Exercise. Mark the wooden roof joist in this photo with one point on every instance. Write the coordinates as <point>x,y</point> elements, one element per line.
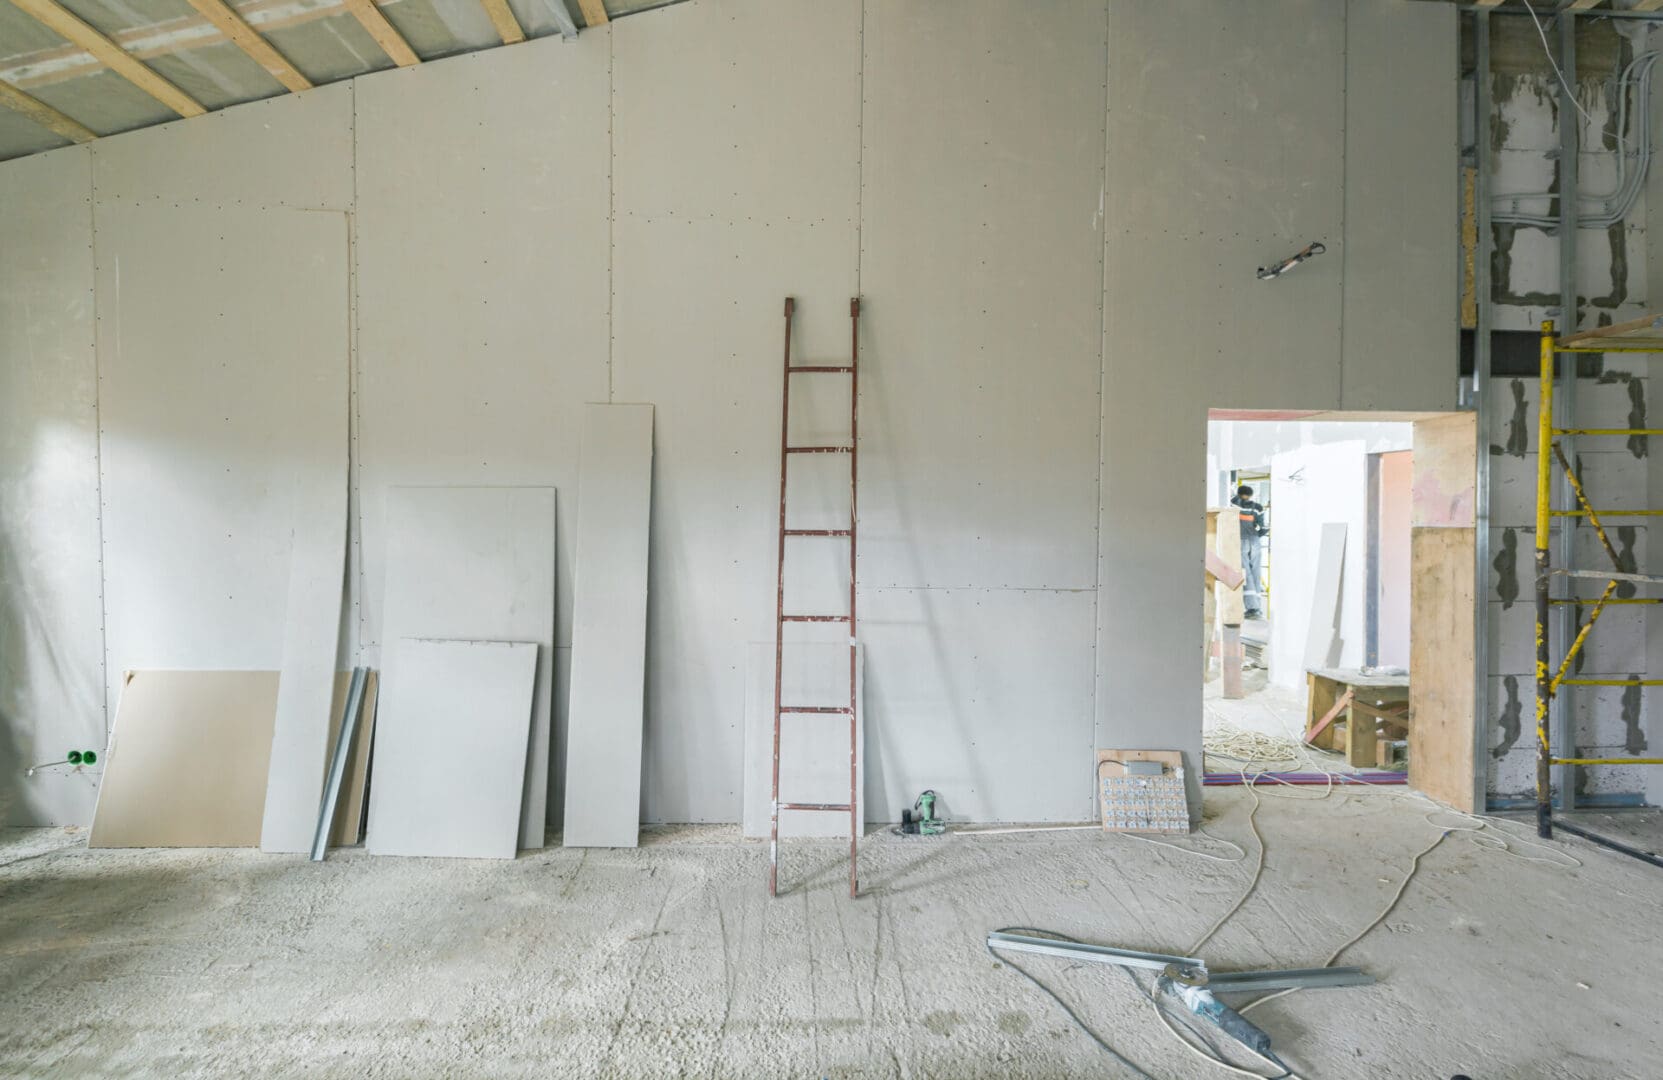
<point>507,27</point>
<point>376,25</point>
<point>43,114</point>
<point>69,27</point>
<point>234,27</point>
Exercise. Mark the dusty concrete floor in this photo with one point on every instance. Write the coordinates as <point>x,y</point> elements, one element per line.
<point>671,961</point>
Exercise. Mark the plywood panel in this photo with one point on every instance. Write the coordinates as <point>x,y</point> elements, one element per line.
<point>482,326</point>
<point>1400,289</point>
<point>814,747</point>
<point>1446,472</point>
<point>450,749</point>
<point>983,695</point>
<point>477,563</point>
<point>222,339</point>
<point>1440,689</point>
<point>609,629</point>
<point>294,150</point>
<point>51,648</point>
<point>1219,163</point>
<point>981,240</point>
<point>186,765</point>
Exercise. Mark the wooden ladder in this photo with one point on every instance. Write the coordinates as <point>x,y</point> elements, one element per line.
<point>782,617</point>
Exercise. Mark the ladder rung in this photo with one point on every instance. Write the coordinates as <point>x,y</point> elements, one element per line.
<point>819,532</point>
<point>819,449</point>
<point>842,808</point>
<point>814,618</point>
<point>820,368</point>
<point>840,710</point>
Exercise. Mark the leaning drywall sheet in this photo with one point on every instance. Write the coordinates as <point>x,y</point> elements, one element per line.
<point>51,610</point>
<point>1310,487</point>
<point>477,563</point>
<point>186,765</point>
<point>705,255</point>
<point>979,395</point>
<point>311,634</point>
<point>609,628</point>
<point>223,351</point>
<point>1323,635</point>
<point>983,695</point>
<point>1400,281</point>
<point>814,747</point>
<point>450,749</point>
<point>483,329</point>
<point>1254,173</point>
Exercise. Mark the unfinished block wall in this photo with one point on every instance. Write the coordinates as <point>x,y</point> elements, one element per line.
<point>1052,215</point>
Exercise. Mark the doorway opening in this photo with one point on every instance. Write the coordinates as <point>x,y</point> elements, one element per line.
<point>1338,614</point>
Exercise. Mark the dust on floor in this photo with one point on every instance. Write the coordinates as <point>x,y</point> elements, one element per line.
<point>670,960</point>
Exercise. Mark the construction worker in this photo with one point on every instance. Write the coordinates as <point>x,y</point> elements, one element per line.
<point>1253,531</point>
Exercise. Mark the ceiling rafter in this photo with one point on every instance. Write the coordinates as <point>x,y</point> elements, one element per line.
<point>376,25</point>
<point>258,49</point>
<point>594,12</point>
<point>508,27</point>
<point>44,115</point>
<point>69,27</point>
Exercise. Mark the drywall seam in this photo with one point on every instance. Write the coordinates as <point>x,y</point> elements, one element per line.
<point>98,444</point>
<point>355,420</point>
<point>611,213</point>
<point>1102,413</point>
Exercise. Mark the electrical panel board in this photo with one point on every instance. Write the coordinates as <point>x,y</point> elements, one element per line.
<point>1142,791</point>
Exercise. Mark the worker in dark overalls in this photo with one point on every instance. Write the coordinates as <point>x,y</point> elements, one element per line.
<point>1253,532</point>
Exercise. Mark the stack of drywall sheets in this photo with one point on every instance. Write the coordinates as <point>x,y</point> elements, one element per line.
<point>468,632</point>
<point>188,761</point>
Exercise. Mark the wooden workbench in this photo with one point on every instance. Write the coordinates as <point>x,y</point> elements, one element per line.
<point>1345,706</point>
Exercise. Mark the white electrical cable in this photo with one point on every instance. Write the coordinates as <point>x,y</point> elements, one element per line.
<point>1548,49</point>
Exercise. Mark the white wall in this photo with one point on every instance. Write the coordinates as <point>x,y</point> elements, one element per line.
<point>1052,215</point>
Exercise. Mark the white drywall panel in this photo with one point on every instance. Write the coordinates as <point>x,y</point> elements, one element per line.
<point>814,747</point>
<point>482,277</point>
<point>450,748</point>
<point>223,347</point>
<point>609,628</point>
<point>1311,488</point>
<point>984,695</point>
<point>292,150</point>
<point>1226,152</point>
<point>1400,254</point>
<point>477,563</point>
<point>311,638</point>
<point>981,261</point>
<point>756,105</point>
<point>706,251</point>
<point>51,603</point>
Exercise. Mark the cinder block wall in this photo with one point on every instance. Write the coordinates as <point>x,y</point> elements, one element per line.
<point>1052,214</point>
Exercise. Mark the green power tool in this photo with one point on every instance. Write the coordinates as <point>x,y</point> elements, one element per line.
<point>921,819</point>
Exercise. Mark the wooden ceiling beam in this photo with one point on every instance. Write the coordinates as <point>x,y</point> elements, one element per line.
<point>69,27</point>
<point>43,114</point>
<point>376,25</point>
<point>508,27</point>
<point>234,27</point>
<point>594,12</point>
<point>1648,5</point>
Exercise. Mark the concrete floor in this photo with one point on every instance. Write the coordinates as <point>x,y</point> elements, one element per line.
<point>670,960</point>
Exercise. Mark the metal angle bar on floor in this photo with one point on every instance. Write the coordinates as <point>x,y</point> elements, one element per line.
<point>337,763</point>
<point>1607,842</point>
<point>1099,954</point>
<point>1237,982</point>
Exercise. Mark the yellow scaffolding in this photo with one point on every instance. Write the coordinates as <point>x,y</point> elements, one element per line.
<point>1639,336</point>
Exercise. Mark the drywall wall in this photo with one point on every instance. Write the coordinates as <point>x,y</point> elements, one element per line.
<point>1203,207</point>
<point>51,584</point>
<point>1053,237</point>
<point>223,349</point>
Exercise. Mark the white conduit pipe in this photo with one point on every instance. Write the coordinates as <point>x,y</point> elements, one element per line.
<point>1615,206</point>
